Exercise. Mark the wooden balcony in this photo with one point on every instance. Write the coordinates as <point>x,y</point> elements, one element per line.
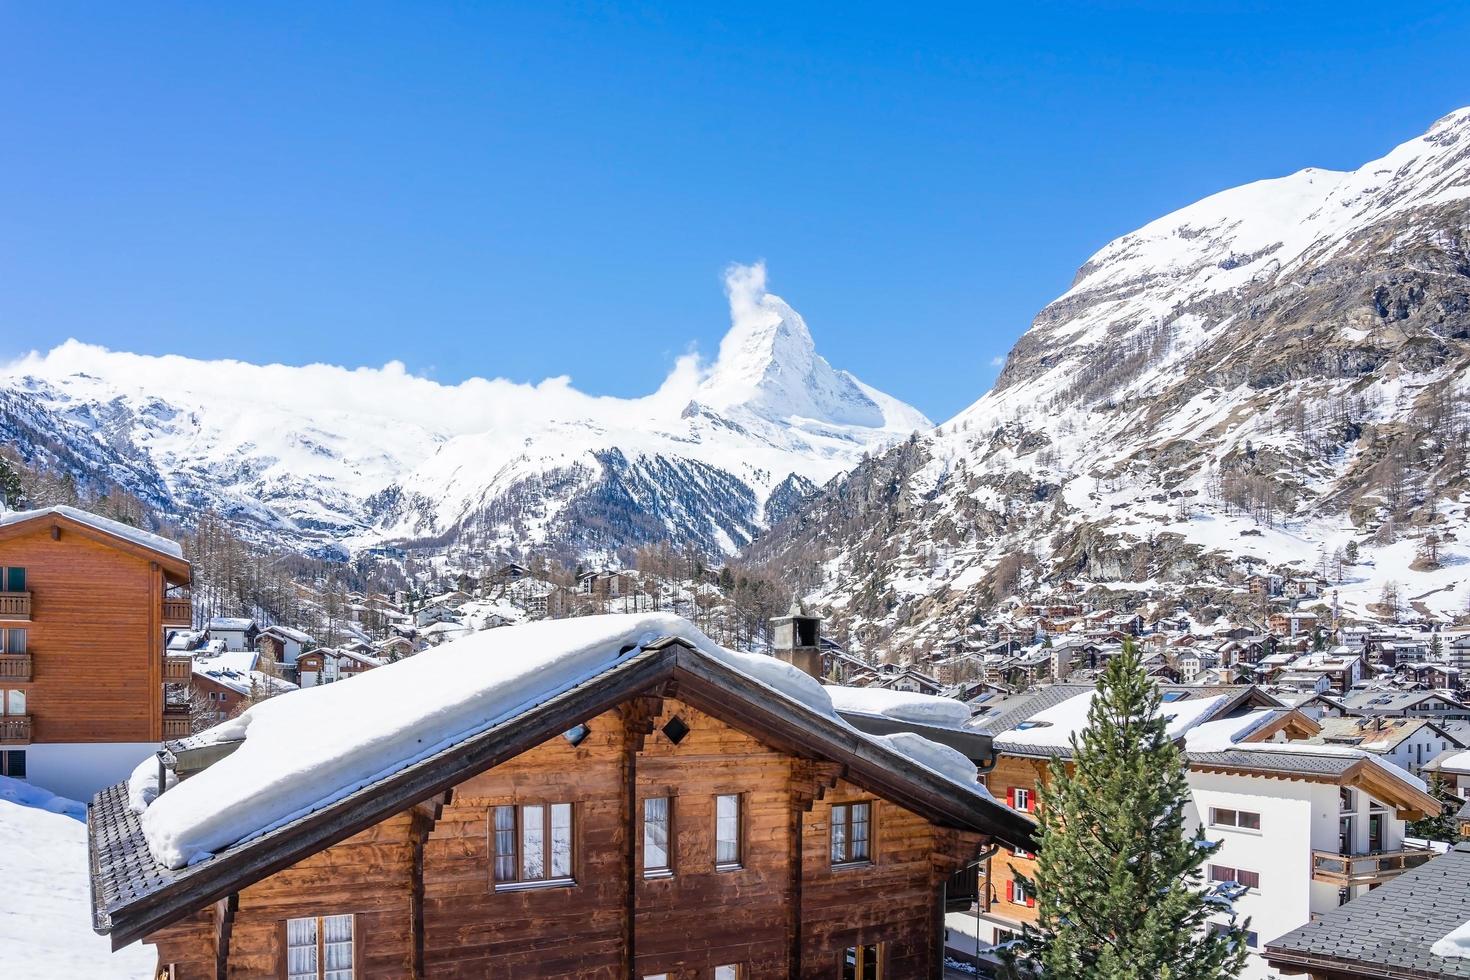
<point>178,610</point>
<point>15,729</point>
<point>176,721</point>
<point>1332,868</point>
<point>15,605</point>
<point>177,670</point>
<point>15,667</point>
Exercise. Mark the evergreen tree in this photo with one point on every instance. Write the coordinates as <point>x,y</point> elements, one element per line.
<point>1119,885</point>
<point>1441,826</point>
<point>11,491</point>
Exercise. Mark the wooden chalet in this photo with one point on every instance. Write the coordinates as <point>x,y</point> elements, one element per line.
<point>85,604</point>
<point>670,816</point>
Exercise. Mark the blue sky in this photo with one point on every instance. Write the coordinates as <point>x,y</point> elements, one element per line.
<point>544,189</point>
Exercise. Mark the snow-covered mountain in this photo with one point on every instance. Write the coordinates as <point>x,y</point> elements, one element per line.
<point>1255,380</point>
<point>320,455</point>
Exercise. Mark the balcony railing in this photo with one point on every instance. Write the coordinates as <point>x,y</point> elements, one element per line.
<point>15,728</point>
<point>176,720</point>
<point>1365,869</point>
<point>178,610</point>
<point>15,605</point>
<point>177,670</point>
<point>15,667</point>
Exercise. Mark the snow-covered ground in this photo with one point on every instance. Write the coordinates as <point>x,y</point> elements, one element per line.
<point>45,901</point>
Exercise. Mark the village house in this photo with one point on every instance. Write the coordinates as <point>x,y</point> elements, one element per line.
<point>327,664</point>
<point>86,604</point>
<point>1408,743</point>
<point>282,645</point>
<point>223,688</point>
<point>1304,827</point>
<point>236,632</point>
<point>617,805</point>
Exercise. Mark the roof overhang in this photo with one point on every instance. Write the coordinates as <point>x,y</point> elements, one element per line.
<point>176,569</point>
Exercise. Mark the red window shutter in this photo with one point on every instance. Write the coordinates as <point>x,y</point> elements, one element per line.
<point>1030,902</point>
<point>1010,891</point>
<point>1031,801</point>
<point>1011,797</point>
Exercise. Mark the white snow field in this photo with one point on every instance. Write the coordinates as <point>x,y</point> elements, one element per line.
<point>45,904</point>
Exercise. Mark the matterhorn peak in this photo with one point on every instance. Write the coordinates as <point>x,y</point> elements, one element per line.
<point>769,365</point>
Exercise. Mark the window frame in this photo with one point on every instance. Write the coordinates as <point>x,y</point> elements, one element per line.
<point>321,932</point>
<point>548,880</point>
<point>860,971</point>
<point>739,841</point>
<point>1216,813</point>
<point>6,573</point>
<point>665,870</point>
<point>1217,874</point>
<point>7,634</point>
<point>737,971</point>
<point>8,756</point>
<point>846,822</point>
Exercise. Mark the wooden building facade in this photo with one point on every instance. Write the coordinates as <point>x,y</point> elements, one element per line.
<point>672,819</point>
<point>84,608</point>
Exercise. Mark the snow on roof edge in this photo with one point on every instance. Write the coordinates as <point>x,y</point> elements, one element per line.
<point>147,539</point>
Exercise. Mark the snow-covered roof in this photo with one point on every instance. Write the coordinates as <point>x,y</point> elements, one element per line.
<point>236,660</point>
<point>245,682</point>
<point>145,539</point>
<point>231,624</point>
<point>388,719</point>
<point>1052,729</point>
<point>289,633</point>
<point>923,709</point>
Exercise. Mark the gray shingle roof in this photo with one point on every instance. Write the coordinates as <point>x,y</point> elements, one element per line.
<point>1295,763</point>
<point>1391,928</point>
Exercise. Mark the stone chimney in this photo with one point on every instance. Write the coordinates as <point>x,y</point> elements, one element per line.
<point>797,639</point>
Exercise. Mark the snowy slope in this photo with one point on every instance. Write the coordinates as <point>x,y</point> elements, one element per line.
<point>1257,380</point>
<point>45,906</point>
<point>322,454</point>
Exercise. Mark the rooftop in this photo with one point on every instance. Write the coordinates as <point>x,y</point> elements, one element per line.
<point>1390,930</point>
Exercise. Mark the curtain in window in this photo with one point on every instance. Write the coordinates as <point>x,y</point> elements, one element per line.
<point>561,840</point>
<point>337,947</point>
<point>727,829</point>
<point>505,843</point>
<point>859,831</point>
<point>656,832</point>
<point>15,702</point>
<point>301,949</point>
<point>533,843</point>
<point>839,834</point>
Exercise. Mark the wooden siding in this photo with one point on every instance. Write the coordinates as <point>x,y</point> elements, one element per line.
<point>423,890</point>
<point>95,638</point>
<point>1011,772</point>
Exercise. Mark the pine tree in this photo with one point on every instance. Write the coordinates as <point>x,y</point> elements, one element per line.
<point>1441,826</point>
<point>1119,885</point>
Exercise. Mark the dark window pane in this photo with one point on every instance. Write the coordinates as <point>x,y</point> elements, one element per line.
<point>1250,821</point>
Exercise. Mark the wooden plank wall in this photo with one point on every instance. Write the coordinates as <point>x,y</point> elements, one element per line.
<point>96,655</point>
<point>1011,771</point>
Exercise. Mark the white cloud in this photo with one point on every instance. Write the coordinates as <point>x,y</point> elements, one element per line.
<point>998,360</point>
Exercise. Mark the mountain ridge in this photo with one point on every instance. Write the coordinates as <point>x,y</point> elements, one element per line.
<point>1258,379</point>
<point>318,455</point>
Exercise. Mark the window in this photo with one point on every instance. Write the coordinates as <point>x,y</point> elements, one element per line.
<point>851,832</point>
<point>13,763</point>
<point>12,641</point>
<point>1251,938</point>
<point>319,948</point>
<point>1246,879</point>
<point>657,819</point>
<point>729,972</point>
<point>863,962</point>
<point>14,703</point>
<point>533,844</point>
<point>1347,802</point>
<point>1016,894</point>
<point>727,831</point>
<point>1244,819</point>
<point>14,580</point>
<point>1019,798</point>
<point>1026,855</point>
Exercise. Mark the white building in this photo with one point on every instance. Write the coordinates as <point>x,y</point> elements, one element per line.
<point>238,633</point>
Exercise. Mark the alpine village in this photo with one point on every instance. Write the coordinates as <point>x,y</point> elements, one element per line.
<point>1152,663</point>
